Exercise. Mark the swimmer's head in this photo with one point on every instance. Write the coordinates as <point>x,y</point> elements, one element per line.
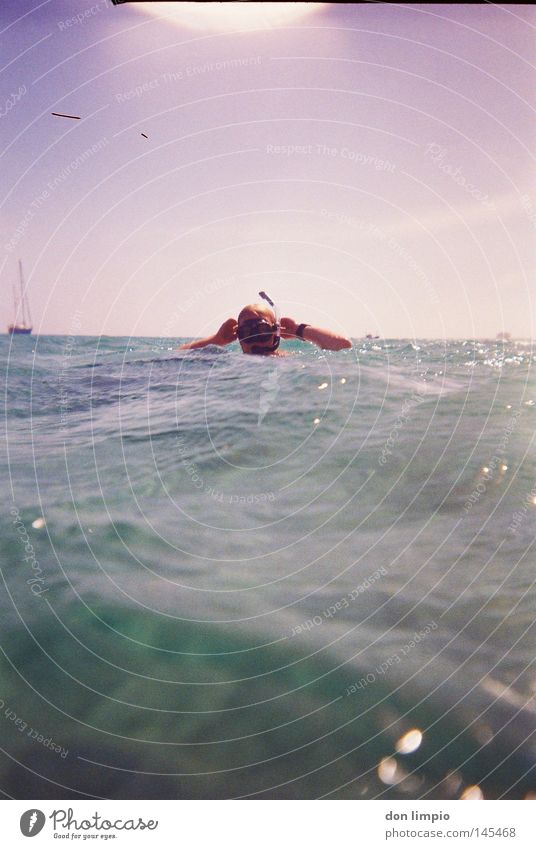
<point>258,329</point>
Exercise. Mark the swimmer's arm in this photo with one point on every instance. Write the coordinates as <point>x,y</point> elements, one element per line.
<point>199,343</point>
<point>325,339</point>
<point>224,336</point>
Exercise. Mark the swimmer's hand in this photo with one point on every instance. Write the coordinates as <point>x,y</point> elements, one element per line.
<point>227,332</point>
<point>288,328</point>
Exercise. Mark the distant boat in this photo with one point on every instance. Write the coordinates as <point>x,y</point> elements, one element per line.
<point>370,336</point>
<point>22,307</point>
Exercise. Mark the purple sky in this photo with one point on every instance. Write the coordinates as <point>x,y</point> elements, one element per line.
<point>371,166</point>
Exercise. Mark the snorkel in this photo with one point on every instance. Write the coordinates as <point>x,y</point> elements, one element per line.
<point>257,349</point>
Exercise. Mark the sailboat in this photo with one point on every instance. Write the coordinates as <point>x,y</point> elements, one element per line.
<point>22,307</point>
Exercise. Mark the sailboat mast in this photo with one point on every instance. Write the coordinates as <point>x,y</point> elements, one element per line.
<point>15,302</point>
<point>22,293</point>
<point>27,307</point>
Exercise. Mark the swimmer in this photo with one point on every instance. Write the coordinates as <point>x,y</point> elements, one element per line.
<point>259,331</point>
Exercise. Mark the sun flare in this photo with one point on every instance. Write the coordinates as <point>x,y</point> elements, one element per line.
<point>230,16</point>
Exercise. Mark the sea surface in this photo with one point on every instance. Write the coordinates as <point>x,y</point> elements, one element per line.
<point>299,577</point>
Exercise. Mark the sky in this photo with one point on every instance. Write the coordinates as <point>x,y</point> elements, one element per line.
<point>371,166</point>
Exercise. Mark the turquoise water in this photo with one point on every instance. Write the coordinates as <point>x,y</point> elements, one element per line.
<point>229,576</point>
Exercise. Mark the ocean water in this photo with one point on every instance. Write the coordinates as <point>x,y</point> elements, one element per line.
<point>238,577</point>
